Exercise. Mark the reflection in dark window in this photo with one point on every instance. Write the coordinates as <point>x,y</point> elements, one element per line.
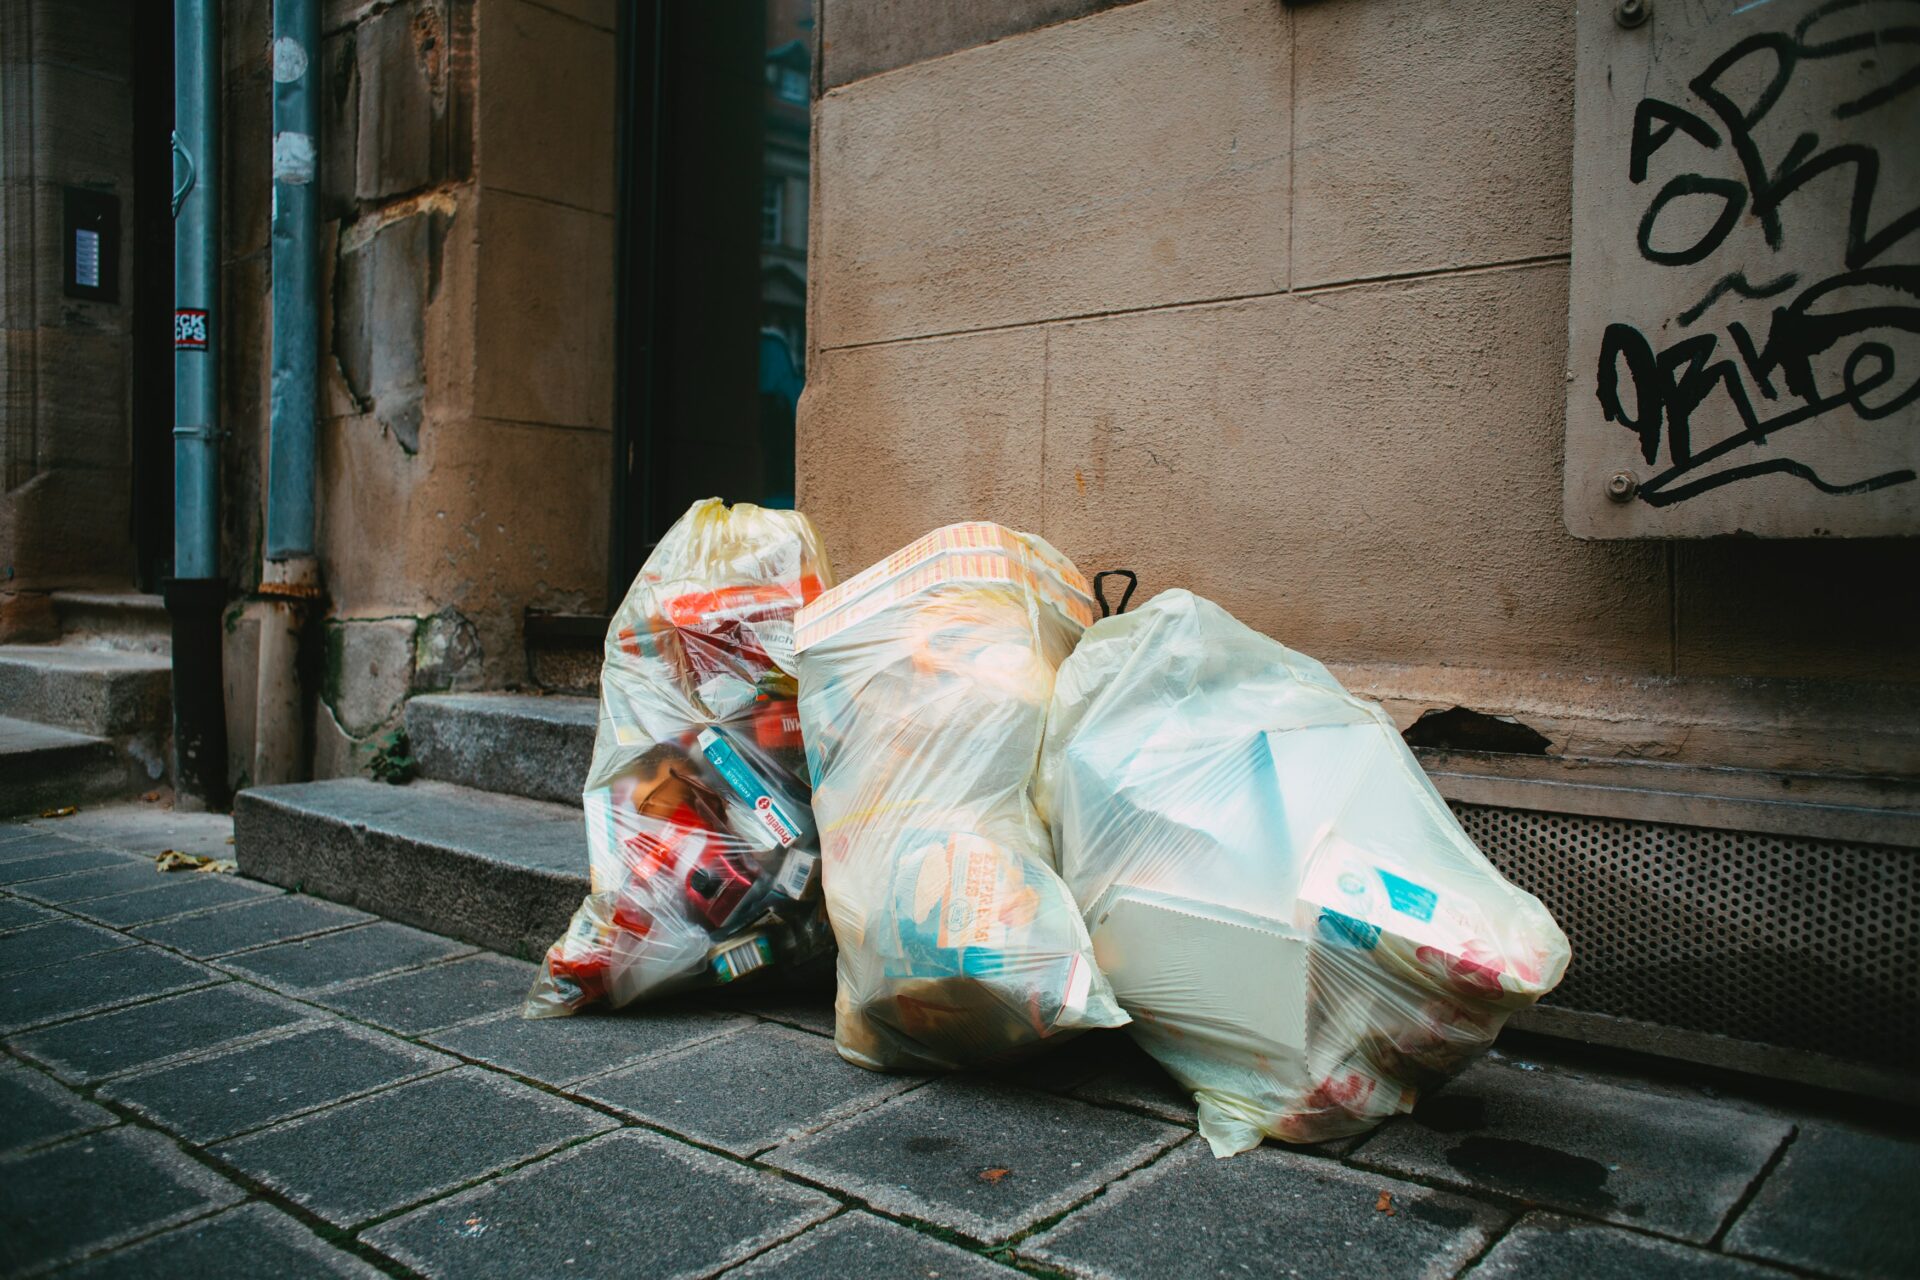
<point>783,239</point>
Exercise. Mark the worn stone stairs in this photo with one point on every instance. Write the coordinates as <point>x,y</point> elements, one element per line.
<point>486,845</point>
<point>86,718</point>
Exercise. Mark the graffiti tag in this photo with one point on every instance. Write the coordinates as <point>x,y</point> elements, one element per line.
<point>1840,342</point>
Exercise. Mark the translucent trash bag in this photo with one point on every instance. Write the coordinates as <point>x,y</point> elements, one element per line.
<point>1303,934</point>
<point>703,858</point>
<point>924,685</point>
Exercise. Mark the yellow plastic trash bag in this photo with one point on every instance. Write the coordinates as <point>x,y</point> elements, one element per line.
<point>924,685</point>
<point>1302,932</point>
<point>700,839</point>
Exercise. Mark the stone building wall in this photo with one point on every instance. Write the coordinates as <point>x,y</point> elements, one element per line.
<point>466,177</point>
<point>1270,301</point>
<point>66,120</point>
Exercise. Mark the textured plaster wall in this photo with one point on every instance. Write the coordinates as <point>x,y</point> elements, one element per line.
<point>467,181</point>
<point>1270,301</point>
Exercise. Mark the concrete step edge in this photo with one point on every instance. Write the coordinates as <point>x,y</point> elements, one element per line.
<point>44,767</point>
<point>105,692</point>
<point>432,855</point>
<point>509,744</point>
<point>126,620</point>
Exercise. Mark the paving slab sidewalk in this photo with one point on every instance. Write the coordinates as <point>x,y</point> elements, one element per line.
<point>194,1087</point>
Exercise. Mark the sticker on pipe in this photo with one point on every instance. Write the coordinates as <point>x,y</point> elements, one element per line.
<point>190,329</point>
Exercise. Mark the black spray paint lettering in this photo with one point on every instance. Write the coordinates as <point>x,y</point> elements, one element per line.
<point>1655,393</point>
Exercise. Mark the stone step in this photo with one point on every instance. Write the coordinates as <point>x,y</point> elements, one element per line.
<point>508,743</point>
<point>42,767</point>
<point>502,872</point>
<point>115,619</point>
<point>105,692</point>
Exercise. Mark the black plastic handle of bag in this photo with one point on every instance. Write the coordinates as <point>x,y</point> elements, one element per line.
<point>1100,591</point>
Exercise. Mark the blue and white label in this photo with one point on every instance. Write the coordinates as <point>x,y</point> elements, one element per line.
<point>747,785</point>
<point>1408,898</point>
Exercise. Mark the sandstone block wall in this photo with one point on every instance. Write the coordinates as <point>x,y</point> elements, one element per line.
<point>1269,301</point>
<point>465,453</point>
<point>66,119</point>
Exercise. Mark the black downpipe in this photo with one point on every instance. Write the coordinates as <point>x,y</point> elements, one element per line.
<point>196,606</point>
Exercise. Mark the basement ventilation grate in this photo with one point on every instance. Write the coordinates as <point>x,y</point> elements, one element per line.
<point>1807,944</point>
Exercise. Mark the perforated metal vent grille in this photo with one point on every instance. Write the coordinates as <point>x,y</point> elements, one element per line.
<point>1809,944</point>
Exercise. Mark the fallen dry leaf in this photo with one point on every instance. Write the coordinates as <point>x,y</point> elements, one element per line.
<point>174,860</point>
<point>64,811</point>
<point>1384,1204</point>
<point>993,1175</point>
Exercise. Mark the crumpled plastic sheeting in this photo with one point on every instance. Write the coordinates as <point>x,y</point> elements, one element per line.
<point>924,686</point>
<point>702,850</point>
<point>1302,932</point>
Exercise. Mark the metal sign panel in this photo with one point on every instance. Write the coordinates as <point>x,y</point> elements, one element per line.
<point>1744,320</point>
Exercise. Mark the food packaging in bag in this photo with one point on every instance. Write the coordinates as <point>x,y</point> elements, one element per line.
<point>1302,932</point>
<point>924,686</point>
<point>700,837</point>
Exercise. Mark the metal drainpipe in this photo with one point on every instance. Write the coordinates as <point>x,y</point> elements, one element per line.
<point>290,577</point>
<point>196,594</point>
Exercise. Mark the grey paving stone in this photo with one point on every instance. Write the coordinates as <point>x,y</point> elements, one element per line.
<point>15,914</point>
<point>1545,1246</point>
<point>21,872</point>
<point>136,826</point>
<point>279,917</point>
<point>55,942</point>
<point>109,1044</point>
<point>748,1091</point>
<point>183,892</point>
<point>411,1143</point>
<point>123,875</point>
<point>92,983</point>
<point>859,1246</point>
<point>217,1095</point>
<point>629,1203</point>
<point>1265,1212</point>
<point>253,1240</point>
<point>94,1192</point>
<point>1132,1079</point>
<point>563,1051</point>
<point>35,1110</point>
<point>1674,1165</point>
<point>1839,1201</point>
<point>810,1009</point>
<point>978,1158</point>
<point>333,959</point>
<point>19,842</point>
<point>1061,1066</point>
<point>427,999</point>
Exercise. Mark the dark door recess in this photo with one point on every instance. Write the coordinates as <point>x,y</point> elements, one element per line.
<point>711,265</point>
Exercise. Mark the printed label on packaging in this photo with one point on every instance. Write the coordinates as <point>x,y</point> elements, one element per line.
<point>776,640</point>
<point>796,873</point>
<point>742,956</point>
<point>1345,931</point>
<point>1408,898</point>
<point>976,885</point>
<point>747,785</point>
